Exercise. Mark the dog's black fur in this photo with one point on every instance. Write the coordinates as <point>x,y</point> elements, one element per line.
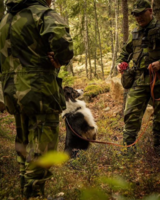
<point>80,119</point>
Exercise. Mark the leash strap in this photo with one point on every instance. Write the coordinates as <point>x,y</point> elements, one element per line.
<point>109,143</point>
<point>153,77</point>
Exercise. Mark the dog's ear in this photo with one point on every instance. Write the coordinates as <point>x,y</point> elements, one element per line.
<point>71,94</point>
<point>68,93</point>
<point>74,94</point>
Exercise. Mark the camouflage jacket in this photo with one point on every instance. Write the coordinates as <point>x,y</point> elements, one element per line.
<point>28,32</point>
<point>143,48</point>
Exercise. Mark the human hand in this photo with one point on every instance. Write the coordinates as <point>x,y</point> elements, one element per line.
<point>121,67</point>
<point>54,62</point>
<point>156,66</point>
<point>118,68</point>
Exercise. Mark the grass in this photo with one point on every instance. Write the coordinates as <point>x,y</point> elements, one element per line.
<point>99,173</point>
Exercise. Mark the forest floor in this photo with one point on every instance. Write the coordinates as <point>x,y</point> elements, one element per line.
<point>100,173</point>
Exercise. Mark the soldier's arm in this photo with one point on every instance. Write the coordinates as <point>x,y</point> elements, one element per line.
<point>54,29</point>
<point>127,50</point>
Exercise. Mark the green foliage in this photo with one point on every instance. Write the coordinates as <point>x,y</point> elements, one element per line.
<point>92,194</point>
<point>94,90</point>
<point>68,80</point>
<point>101,172</point>
<point>116,183</point>
<point>51,158</point>
<point>153,197</point>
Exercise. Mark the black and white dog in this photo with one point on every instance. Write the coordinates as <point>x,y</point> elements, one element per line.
<point>80,119</point>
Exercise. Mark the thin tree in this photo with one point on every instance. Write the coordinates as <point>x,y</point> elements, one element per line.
<point>125,20</point>
<point>110,24</point>
<point>113,71</point>
<point>86,37</point>
<point>95,32</point>
<point>99,39</point>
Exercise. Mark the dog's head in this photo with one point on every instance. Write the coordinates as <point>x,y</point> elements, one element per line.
<point>71,94</point>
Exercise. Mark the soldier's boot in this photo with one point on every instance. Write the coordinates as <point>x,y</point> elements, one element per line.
<point>22,183</point>
<point>34,188</point>
<point>38,189</point>
<point>27,191</point>
<point>22,178</point>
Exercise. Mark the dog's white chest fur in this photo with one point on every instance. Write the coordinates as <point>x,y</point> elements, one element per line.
<point>80,106</point>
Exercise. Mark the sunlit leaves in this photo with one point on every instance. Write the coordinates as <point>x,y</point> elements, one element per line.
<point>51,158</point>
<point>116,183</point>
<point>93,194</point>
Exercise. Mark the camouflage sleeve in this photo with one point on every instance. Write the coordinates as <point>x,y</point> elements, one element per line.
<point>54,29</point>
<point>127,50</point>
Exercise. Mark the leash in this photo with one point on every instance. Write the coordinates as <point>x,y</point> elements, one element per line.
<point>103,142</point>
<point>153,77</point>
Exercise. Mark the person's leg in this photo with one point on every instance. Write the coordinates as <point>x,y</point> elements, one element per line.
<point>136,103</point>
<point>20,144</point>
<point>42,137</point>
<point>156,120</point>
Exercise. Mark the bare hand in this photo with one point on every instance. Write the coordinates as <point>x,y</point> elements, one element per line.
<point>156,66</point>
<point>119,69</point>
<point>54,62</point>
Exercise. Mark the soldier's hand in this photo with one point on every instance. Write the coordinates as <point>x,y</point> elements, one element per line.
<point>156,66</point>
<point>54,62</point>
<point>118,68</point>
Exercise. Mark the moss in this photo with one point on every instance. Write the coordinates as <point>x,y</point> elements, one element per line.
<point>94,90</point>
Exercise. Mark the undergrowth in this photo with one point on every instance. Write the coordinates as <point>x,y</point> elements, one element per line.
<point>100,173</point>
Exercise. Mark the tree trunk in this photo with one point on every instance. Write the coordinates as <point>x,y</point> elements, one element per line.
<point>99,40</point>
<point>110,23</point>
<point>66,19</point>
<point>70,68</point>
<point>95,49</point>
<point>86,37</point>
<point>125,20</point>
<point>156,9</point>
<point>113,71</point>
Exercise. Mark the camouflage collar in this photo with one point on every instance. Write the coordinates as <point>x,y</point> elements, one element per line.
<point>152,24</point>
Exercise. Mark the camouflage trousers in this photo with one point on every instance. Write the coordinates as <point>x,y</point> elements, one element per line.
<point>136,103</point>
<point>35,136</point>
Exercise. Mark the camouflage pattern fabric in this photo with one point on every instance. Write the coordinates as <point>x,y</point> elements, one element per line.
<point>29,80</point>
<point>139,94</point>
<point>136,103</point>
<point>140,5</point>
<point>32,91</point>
<point>36,135</point>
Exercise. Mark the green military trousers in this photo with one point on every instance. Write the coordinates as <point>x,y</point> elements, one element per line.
<point>35,136</point>
<point>137,99</point>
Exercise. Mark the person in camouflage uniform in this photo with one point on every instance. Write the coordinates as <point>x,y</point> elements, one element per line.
<point>143,47</point>
<point>32,91</point>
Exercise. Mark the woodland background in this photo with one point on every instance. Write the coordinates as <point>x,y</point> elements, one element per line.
<point>99,29</point>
